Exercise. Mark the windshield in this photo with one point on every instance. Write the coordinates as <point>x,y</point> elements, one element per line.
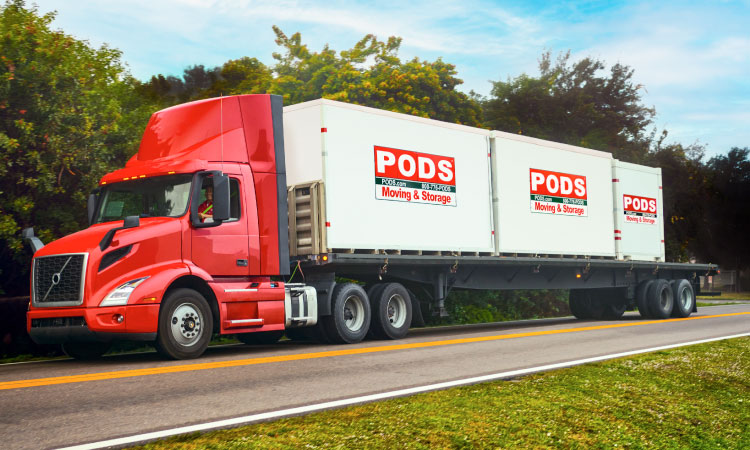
<point>165,196</point>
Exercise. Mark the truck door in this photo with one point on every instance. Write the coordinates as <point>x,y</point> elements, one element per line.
<point>224,250</point>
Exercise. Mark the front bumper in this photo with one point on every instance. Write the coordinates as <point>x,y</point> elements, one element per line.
<point>60,325</point>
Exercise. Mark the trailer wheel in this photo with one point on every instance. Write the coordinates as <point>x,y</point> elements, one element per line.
<point>615,303</point>
<point>86,351</point>
<point>261,337</point>
<point>391,312</point>
<point>350,315</point>
<point>584,304</point>
<point>185,325</point>
<point>660,299</point>
<point>684,298</point>
<point>641,298</point>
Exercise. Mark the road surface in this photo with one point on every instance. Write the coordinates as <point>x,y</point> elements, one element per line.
<point>67,402</point>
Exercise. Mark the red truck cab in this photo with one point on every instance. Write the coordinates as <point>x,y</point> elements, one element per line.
<point>150,267</point>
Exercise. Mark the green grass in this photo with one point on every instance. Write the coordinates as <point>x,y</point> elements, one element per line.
<point>728,296</point>
<point>692,397</point>
<point>702,304</point>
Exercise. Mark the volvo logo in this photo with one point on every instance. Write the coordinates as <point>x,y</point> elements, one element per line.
<point>56,278</point>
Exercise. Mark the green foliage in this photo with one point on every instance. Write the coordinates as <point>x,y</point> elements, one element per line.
<point>573,103</point>
<point>372,74</point>
<point>65,120</point>
<point>473,306</point>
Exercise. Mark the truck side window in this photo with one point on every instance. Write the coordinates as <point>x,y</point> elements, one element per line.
<point>234,199</point>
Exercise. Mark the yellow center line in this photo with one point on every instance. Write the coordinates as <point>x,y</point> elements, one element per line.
<point>18,384</point>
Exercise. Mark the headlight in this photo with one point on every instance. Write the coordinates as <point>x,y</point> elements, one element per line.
<point>121,294</point>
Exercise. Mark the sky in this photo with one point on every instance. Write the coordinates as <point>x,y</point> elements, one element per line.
<point>692,58</point>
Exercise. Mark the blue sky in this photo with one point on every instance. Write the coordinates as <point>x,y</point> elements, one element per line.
<point>692,58</point>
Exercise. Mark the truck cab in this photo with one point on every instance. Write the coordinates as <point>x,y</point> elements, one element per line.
<point>155,266</point>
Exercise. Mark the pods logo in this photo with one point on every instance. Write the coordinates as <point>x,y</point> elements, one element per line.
<point>407,176</point>
<point>558,193</point>
<point>639,209</point>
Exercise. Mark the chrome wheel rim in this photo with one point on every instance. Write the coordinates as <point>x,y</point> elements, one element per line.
<point>396,311</point>
<point>186,324</point>
<point>686,299</point>
<point>354,313</point>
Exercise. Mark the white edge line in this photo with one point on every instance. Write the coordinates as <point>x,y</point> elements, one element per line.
<point>245,420</point>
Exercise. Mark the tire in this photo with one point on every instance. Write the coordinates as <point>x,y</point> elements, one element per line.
<point>185,325</point>
<point>641,298</point>
<point>373,292</point>
<point>684,298</point>
<point>86,351</point>
<point>391,312</point>
<point>584,304</point>
<point>615,303</point>
<point>576,303</point>
<point>350,315</point>
<point>660,299</point>
<point>261,337</point>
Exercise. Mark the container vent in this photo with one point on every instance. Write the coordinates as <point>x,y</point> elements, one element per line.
<point>307,231</point>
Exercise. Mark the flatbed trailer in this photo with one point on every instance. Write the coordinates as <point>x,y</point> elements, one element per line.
<point>610,281</point>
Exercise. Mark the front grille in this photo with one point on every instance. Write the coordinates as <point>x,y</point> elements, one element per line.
<point>58,279</point>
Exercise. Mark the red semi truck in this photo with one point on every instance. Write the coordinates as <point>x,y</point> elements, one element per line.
<point>161,262</point>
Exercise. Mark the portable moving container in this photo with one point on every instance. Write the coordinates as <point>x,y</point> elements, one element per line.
<point>639,219</point>
<point>367,179</point>
<point>550,198</point>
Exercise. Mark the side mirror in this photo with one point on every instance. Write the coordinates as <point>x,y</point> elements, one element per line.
<point>220,204</point>
<point>35,242</point>
<point>91,204</point>
<point>221,198</point>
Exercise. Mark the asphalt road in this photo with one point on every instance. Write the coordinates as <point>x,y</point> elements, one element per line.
<point>66,402</point>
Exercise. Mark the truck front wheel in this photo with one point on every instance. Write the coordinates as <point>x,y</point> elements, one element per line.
<point>185,325</point>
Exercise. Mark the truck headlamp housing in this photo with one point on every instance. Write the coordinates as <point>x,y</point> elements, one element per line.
<point>120,295</point>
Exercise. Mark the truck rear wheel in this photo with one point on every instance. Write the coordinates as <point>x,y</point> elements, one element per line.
<point>261,337</point>
<point>185,325</point>
<point>660,299</point>
<point>684,298</point>
<point>86,351</point>
<point>391,312</point>
<point>350,315</point>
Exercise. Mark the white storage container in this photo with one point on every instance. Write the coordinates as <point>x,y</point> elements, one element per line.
<point>639,218</point>
<point>389,181</point>
<point>550,198</point>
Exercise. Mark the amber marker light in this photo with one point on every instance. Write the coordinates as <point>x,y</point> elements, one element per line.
<point>325,257</point>
<point>170,173</point>
<point>142,176</point>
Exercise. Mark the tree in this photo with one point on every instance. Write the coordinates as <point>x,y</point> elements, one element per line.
<point>574,104</point>
<point>729,208</point>
<point>63,107</point>
<point>371,74</point>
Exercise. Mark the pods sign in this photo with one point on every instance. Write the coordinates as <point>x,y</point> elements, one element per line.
<point>413,177</point>
<point>558,193</point>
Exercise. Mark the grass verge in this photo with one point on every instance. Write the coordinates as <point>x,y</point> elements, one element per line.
<point>728,296</point>
<point>692,397</point>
